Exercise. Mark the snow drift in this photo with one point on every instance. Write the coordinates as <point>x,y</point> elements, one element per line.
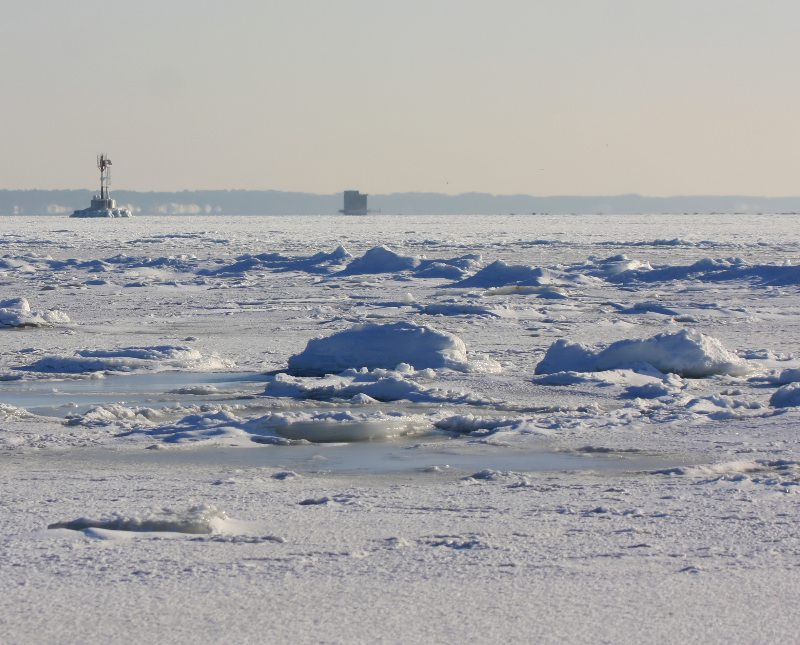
<point>687,353</point>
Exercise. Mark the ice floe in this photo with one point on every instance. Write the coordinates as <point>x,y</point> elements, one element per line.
<point>130,359</point>
<point>363,386</point>
<point>114,413</point>
<point>385,346</point>
<point>325,426</point>
<point>336,426</point>
<point>687,353</point>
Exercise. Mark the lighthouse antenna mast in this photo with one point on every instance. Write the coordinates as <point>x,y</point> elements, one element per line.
<point>103,163</point>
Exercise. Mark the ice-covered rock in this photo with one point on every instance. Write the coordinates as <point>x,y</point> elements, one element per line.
<point>687,353</point>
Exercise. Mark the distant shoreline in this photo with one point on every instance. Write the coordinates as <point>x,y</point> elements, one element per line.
<point>273,202</point>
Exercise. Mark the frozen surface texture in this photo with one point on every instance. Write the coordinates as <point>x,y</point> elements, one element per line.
<point>400,429</point>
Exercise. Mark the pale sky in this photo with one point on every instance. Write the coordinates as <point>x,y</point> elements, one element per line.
<point>542,97</point>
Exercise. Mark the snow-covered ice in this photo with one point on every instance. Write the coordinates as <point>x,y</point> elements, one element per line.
<point>16,312</point>
<point>400,429</point>
<point>381,345</point>
<point>687,353</point>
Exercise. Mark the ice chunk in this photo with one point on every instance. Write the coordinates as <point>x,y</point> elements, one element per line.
<point>787,396</point>
<point>687,353</point>
<point>16,312</point>
<point>197,520</point>
<point>499,273</point>
<point>380,259</point>
<point>376,345</point>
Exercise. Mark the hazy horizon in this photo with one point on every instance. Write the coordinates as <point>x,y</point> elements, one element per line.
<point>389,193</point>
<point>582,98</point>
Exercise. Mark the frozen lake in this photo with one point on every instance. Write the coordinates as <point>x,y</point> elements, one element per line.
<point>397,410</point>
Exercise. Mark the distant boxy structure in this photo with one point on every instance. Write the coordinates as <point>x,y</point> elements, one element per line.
<point>355,203</point>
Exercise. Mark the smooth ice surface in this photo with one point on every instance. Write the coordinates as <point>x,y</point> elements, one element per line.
<point>308,429</point>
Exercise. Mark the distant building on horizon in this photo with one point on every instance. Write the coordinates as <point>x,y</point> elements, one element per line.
<point>355,203</point>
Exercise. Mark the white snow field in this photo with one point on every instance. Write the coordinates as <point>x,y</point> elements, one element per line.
<point>400,429</point>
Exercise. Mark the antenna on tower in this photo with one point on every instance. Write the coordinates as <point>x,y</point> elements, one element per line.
<point>103,162</point>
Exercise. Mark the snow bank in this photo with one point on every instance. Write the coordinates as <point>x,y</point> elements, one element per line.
<point>386,346</point>
<point>687,353</point>
<point>16,312</point>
